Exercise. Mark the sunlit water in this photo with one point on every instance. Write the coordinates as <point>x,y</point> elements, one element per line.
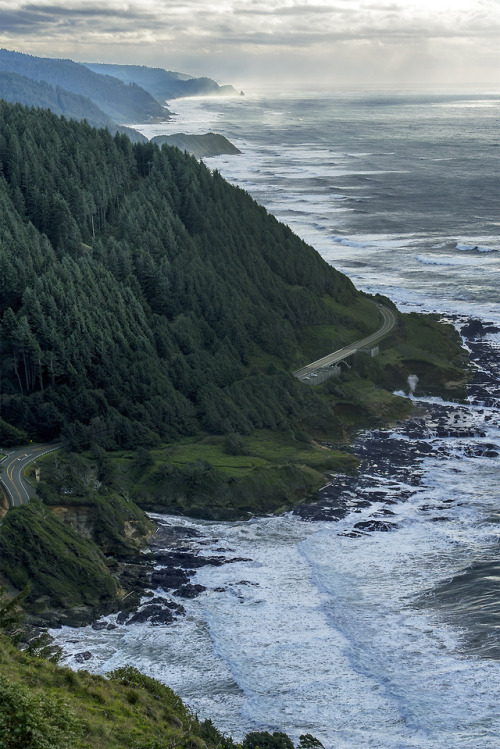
<point>364,639</point>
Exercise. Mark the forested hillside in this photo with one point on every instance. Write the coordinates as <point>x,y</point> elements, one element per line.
<point>163,84</point>
<point>143,298</point>
<point>21,90</point>
<point>122,102</point>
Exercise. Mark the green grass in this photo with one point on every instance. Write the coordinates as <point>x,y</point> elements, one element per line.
<point>202,477</point>
<point>431,350</point>
<point>263,449</point>
<point>211,450</point>
<point>50,706</point>
<point>62,568</point>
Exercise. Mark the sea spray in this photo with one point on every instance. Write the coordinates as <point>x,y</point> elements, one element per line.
<point>412,382</point>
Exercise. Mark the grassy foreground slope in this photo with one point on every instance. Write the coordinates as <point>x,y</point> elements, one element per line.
<point>45,706</point>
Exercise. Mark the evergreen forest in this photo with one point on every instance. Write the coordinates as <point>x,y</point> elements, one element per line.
<point>123,103</point>
<point>143,298</point>
<point>22,90</point>
<point>162,84</point>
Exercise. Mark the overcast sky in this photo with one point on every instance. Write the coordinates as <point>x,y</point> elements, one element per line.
<point>333,42</point>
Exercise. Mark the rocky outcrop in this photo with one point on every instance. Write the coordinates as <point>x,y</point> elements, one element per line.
<point>210,144</point>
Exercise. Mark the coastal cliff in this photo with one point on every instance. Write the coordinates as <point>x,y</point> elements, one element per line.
<point>210,144</point>
<point>153,315</point>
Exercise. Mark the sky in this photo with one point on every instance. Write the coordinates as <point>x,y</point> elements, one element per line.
<point>334,43</point>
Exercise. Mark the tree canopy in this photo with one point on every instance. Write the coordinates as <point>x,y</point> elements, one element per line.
<point>143,297</point>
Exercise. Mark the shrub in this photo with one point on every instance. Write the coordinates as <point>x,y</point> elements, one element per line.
<point>234,444</point>
<point>33,721</point>
<point>265,740</point>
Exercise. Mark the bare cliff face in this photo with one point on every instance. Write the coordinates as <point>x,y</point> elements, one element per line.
<point>80,517</point>
<point>4,504</point>
<point>84,520</point>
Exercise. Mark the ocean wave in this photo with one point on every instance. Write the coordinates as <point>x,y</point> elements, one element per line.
<point>479,248</point>
<point>380,241</point>
<point>444,260</point>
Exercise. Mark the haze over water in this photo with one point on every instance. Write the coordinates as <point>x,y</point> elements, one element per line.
<point>377,639</point>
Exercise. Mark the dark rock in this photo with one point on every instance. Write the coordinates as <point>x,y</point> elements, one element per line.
<point>155,613</point>
<point>172,536</point>
<point>99,625</point>
<point>433,508</point>
<point>111,626</point>
<point>189,591</point>
<point>122,617</point>
<point>481,451</point>
<point>188,560</point>
<point>473,329</point>
<point>138,618</point>
<point>82,657</point>
<point>172,605</point>
<point>351,534</point>
<point>374,525</point>
<point>170,578</point>
<point>163,617</point>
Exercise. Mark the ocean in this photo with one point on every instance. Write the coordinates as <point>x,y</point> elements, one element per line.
<point>379,626</point>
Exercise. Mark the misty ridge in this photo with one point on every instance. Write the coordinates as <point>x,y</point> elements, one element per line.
<point>110,96</point>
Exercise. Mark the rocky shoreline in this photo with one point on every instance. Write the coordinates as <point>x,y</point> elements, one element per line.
<point>390,460</point>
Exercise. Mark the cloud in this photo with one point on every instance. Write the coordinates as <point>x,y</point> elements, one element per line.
<point>234,34</point>
<point>254,21</point>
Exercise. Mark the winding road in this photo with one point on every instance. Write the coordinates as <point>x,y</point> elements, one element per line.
<point>389,321</point>
<point>13,465</point>
<point>18,490</point>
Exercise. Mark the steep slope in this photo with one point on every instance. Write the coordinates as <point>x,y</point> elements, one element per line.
<point>163,84</point>
<point>47,706</point>
<point>44,705</point>
<point>144,298</point>
<point>123,103</point>
<point>19,89</point>
<point>146,303</point>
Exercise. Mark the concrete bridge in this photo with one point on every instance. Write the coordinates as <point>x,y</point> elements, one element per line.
<point>322,369</point>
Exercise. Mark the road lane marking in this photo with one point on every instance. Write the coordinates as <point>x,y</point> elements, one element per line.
<point>389,321</point>
<point>26,459</point>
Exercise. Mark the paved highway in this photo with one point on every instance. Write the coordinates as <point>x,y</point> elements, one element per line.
<point>13,465</point>
<point>19,491</point>
<point>389,321</point>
